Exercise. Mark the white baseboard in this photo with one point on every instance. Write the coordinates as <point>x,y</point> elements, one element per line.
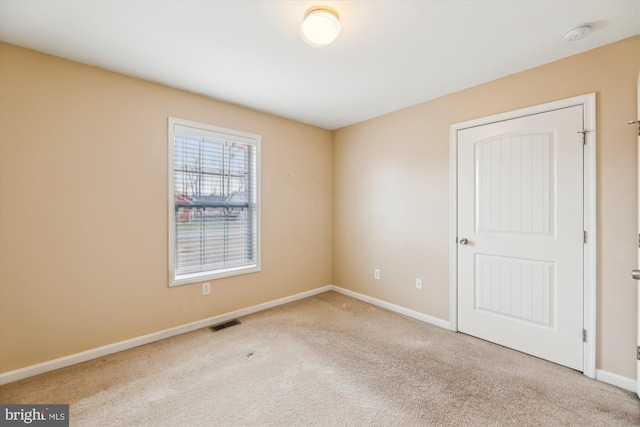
<point>616,380</point>
<point>94,353</point>
<point>395,308</point>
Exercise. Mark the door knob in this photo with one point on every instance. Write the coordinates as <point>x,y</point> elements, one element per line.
<point>464,241</point>
<point>635,274</point>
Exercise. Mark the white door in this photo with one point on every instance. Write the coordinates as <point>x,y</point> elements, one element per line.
<point>521,234</point>
<point>636,273</point>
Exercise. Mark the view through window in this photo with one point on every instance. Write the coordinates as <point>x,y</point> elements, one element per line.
<point>214,209</point>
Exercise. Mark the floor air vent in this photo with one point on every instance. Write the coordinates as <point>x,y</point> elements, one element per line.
<point>225,325</point>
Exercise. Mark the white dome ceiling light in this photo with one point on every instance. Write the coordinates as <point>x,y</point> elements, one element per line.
<point>577,33</point>
<point>320,27</point>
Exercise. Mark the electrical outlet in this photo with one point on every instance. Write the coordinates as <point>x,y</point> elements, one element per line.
<point>206,288</point>
<point>376,274</point>
<point>418,283</point>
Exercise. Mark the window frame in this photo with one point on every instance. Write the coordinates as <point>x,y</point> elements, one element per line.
<point>228,135</point>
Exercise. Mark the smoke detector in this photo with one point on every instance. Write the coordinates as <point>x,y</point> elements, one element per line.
<point>577,33</point>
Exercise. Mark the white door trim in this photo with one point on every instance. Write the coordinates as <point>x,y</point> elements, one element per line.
<point>588,102</point>
<point>637,390</point>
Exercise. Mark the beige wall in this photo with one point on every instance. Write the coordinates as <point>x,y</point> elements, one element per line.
<point>83,212</point>
<point>391,191</point>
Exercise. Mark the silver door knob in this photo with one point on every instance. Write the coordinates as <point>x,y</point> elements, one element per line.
<point>635,274</point>
<point>463,241</point>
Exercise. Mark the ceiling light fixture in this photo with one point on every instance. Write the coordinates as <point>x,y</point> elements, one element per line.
<point>577,33</point>
<point>320,27</point>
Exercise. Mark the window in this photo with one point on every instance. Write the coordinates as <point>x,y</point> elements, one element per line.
<point>214,215</point>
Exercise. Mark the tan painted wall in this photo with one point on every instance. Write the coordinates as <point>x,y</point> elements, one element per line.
<point>83,212</point>
<point>391,191</point>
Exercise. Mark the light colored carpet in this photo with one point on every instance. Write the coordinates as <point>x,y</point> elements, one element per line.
<point>328,360</point>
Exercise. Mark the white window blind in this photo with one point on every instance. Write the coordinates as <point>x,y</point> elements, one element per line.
<point>214,212</point>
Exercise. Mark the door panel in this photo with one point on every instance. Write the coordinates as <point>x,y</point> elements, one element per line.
<point>515,184</point>
<point>520,289</point>
<point>520,206</point>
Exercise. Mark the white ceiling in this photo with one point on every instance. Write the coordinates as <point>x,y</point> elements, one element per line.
<point>390,54</point>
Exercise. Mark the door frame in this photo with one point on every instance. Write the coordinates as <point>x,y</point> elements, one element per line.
<point>638,264</point>
<point>588,102</point>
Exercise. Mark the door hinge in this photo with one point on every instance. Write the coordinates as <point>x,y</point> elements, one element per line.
<point>584,136</point>
<point>584,335</point>
<point>584,236</point>
<point>639,352</point>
